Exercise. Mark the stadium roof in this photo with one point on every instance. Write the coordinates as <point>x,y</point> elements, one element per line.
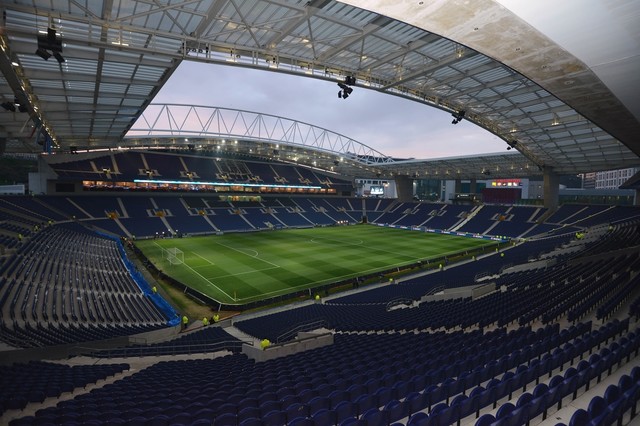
<point>632,183</point>
<point>226,130</point>
<point>534,87</point>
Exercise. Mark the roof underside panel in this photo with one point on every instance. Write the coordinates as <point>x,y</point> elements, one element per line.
<point>118,54</point>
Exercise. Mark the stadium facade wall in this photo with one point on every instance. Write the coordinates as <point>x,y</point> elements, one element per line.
<point>12,189</point>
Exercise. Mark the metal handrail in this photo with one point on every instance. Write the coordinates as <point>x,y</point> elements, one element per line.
<point>158,349</point>
<point>398,301</point>
<point>307,326</point>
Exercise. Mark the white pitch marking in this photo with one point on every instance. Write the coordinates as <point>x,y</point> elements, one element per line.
<point>201,276</point>
<point>255,257</point>
<point>203,258</point>
<point>246,272</point>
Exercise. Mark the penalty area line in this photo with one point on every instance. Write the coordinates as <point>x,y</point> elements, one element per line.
<point>203,258</point>
<point>246,272</point>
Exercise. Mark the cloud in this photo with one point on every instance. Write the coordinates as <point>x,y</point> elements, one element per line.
<point>389,124</point>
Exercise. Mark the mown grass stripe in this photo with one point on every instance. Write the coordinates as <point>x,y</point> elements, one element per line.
<point>249,266</point>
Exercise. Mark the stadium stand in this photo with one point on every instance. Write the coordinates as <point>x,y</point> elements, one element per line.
<point>516,221</point>
<point>415,373</point>
<point>419,214</point>
<point>22,383</point>
<point>127,166</point>
<point>206,339</point>
<point>143,216</point>
<point>535,321</point>
<point>402,353</point>
<point>447,216</point>
<point>67,284</point>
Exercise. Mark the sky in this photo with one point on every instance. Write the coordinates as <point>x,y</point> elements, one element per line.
<point>392,125</point>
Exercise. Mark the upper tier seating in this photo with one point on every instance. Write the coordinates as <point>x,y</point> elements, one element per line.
<point>127,166</point>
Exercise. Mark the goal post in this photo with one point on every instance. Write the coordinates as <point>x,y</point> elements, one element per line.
<point>173,255</point>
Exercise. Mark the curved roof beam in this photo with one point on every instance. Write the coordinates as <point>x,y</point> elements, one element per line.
<point>210,125</point>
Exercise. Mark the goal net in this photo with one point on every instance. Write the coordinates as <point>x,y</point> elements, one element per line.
<point>173,255</point>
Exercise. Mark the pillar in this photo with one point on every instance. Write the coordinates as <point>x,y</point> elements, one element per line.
<point>473,186</point>
<point>551,186</point>
<point>404,188</point>
<point>458,186</point>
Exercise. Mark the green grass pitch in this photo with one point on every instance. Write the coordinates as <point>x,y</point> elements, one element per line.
<point>244,267</point>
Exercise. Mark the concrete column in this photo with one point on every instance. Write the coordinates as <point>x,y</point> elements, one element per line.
<point>404,187</point>
<point>473,186</point>
<point>550,188</point>
<point>458,186</point>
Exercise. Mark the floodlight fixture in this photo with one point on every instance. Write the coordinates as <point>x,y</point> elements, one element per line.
<point>50,45</point>
<point>457,116</point>
<point>15,105</point>
<point>43,53</point>
<point>345,90</point>
<point>8,106</point>
<point>58,57</point>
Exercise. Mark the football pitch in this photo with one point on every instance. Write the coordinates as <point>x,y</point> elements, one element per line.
<point>239,268</point>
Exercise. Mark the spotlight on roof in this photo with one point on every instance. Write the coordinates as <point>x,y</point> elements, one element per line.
<point>8,106</point>
<point>457,116</point>
<point>50,45</point>
<point>58,57</point>
<point>43,53</point>
<point>21,107</point>
<point>15,105</point>
<point>345,89</point>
